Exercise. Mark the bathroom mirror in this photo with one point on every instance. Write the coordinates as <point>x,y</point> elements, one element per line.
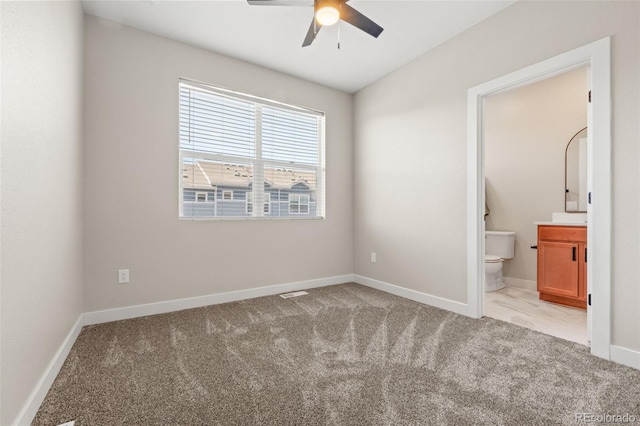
<point>575,173</point>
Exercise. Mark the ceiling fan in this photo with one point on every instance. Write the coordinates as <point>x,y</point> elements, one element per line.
<point>327,12</point>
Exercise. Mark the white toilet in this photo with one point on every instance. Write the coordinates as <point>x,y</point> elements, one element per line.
<point>498,247</point>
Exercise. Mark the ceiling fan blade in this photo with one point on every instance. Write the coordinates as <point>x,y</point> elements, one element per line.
<point>358,20</point>
<point>280,2</point>
<point>314,29</point>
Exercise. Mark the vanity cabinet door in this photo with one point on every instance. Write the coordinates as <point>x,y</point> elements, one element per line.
<point>582,282</point>
<point>558,268</point>
<point>562,265</point>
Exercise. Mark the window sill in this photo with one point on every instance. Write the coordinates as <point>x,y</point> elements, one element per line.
<point>224,219</point>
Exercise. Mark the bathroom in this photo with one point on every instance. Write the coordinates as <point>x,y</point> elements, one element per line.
<point>535,178</point>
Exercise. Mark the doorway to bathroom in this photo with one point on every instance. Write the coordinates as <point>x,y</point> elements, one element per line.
<point>527,133</point>
<point>596,58</point>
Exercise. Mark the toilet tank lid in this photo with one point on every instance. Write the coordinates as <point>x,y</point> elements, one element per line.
<point>505,233</point>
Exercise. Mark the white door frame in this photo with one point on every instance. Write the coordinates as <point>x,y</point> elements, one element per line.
<point>597,56</point>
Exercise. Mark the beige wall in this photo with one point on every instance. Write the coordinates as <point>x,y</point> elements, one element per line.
<point>526,134</point>
<point>41,190</point>
<point>131,184</point>
<point>411,148</point>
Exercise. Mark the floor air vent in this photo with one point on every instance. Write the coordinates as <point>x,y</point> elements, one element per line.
<point>294,294</point>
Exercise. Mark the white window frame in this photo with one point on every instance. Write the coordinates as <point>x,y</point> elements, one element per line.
<point>300,203</point>
<point>201,193</point>
<point>225,192</point>
<point>266,203</point>
<point>260,164</point>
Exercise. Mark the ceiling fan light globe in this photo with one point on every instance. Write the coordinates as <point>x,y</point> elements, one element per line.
<point>327,15</point>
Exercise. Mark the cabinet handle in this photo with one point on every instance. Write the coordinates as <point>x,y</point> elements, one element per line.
<point>585,255</point>
<point>573,250</point>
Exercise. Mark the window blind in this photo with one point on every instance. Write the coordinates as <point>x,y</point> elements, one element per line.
<point>238,151</point>
<point>289,136</point>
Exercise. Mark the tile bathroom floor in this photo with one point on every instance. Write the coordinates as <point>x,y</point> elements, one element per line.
<point>522,307</point>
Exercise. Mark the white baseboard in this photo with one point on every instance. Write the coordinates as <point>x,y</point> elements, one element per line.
<point>427,299</point>
<point>520,283</point>
<point>30,408</point>
<point>117,314</point>
<point>625,356</point>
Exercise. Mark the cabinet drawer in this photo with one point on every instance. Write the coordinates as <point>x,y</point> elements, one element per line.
<point>576,234</point>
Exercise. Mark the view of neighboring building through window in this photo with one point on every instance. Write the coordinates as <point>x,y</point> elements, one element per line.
<point>267,202</point>
<point>228,141</point>
<point>298,203</point>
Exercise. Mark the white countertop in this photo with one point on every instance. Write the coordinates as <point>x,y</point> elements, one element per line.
<point>561,223</point>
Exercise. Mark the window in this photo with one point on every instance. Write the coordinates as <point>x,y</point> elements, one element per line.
<point>205,197</point>
<point>298,204</point>
<point>267,203</point>
<point>229,141</point>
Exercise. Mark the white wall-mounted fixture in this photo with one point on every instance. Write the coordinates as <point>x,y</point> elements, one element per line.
<point>123,276</point>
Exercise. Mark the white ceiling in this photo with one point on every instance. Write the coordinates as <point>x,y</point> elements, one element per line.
<point>271,36</point>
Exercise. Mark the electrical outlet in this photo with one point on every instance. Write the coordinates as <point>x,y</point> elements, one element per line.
<point>373,257</point>
<point>123,276</point>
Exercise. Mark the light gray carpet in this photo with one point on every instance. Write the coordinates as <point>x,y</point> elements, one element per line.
<point>346,355</point>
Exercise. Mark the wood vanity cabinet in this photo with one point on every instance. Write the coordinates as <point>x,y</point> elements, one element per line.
<point>562,264</point>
